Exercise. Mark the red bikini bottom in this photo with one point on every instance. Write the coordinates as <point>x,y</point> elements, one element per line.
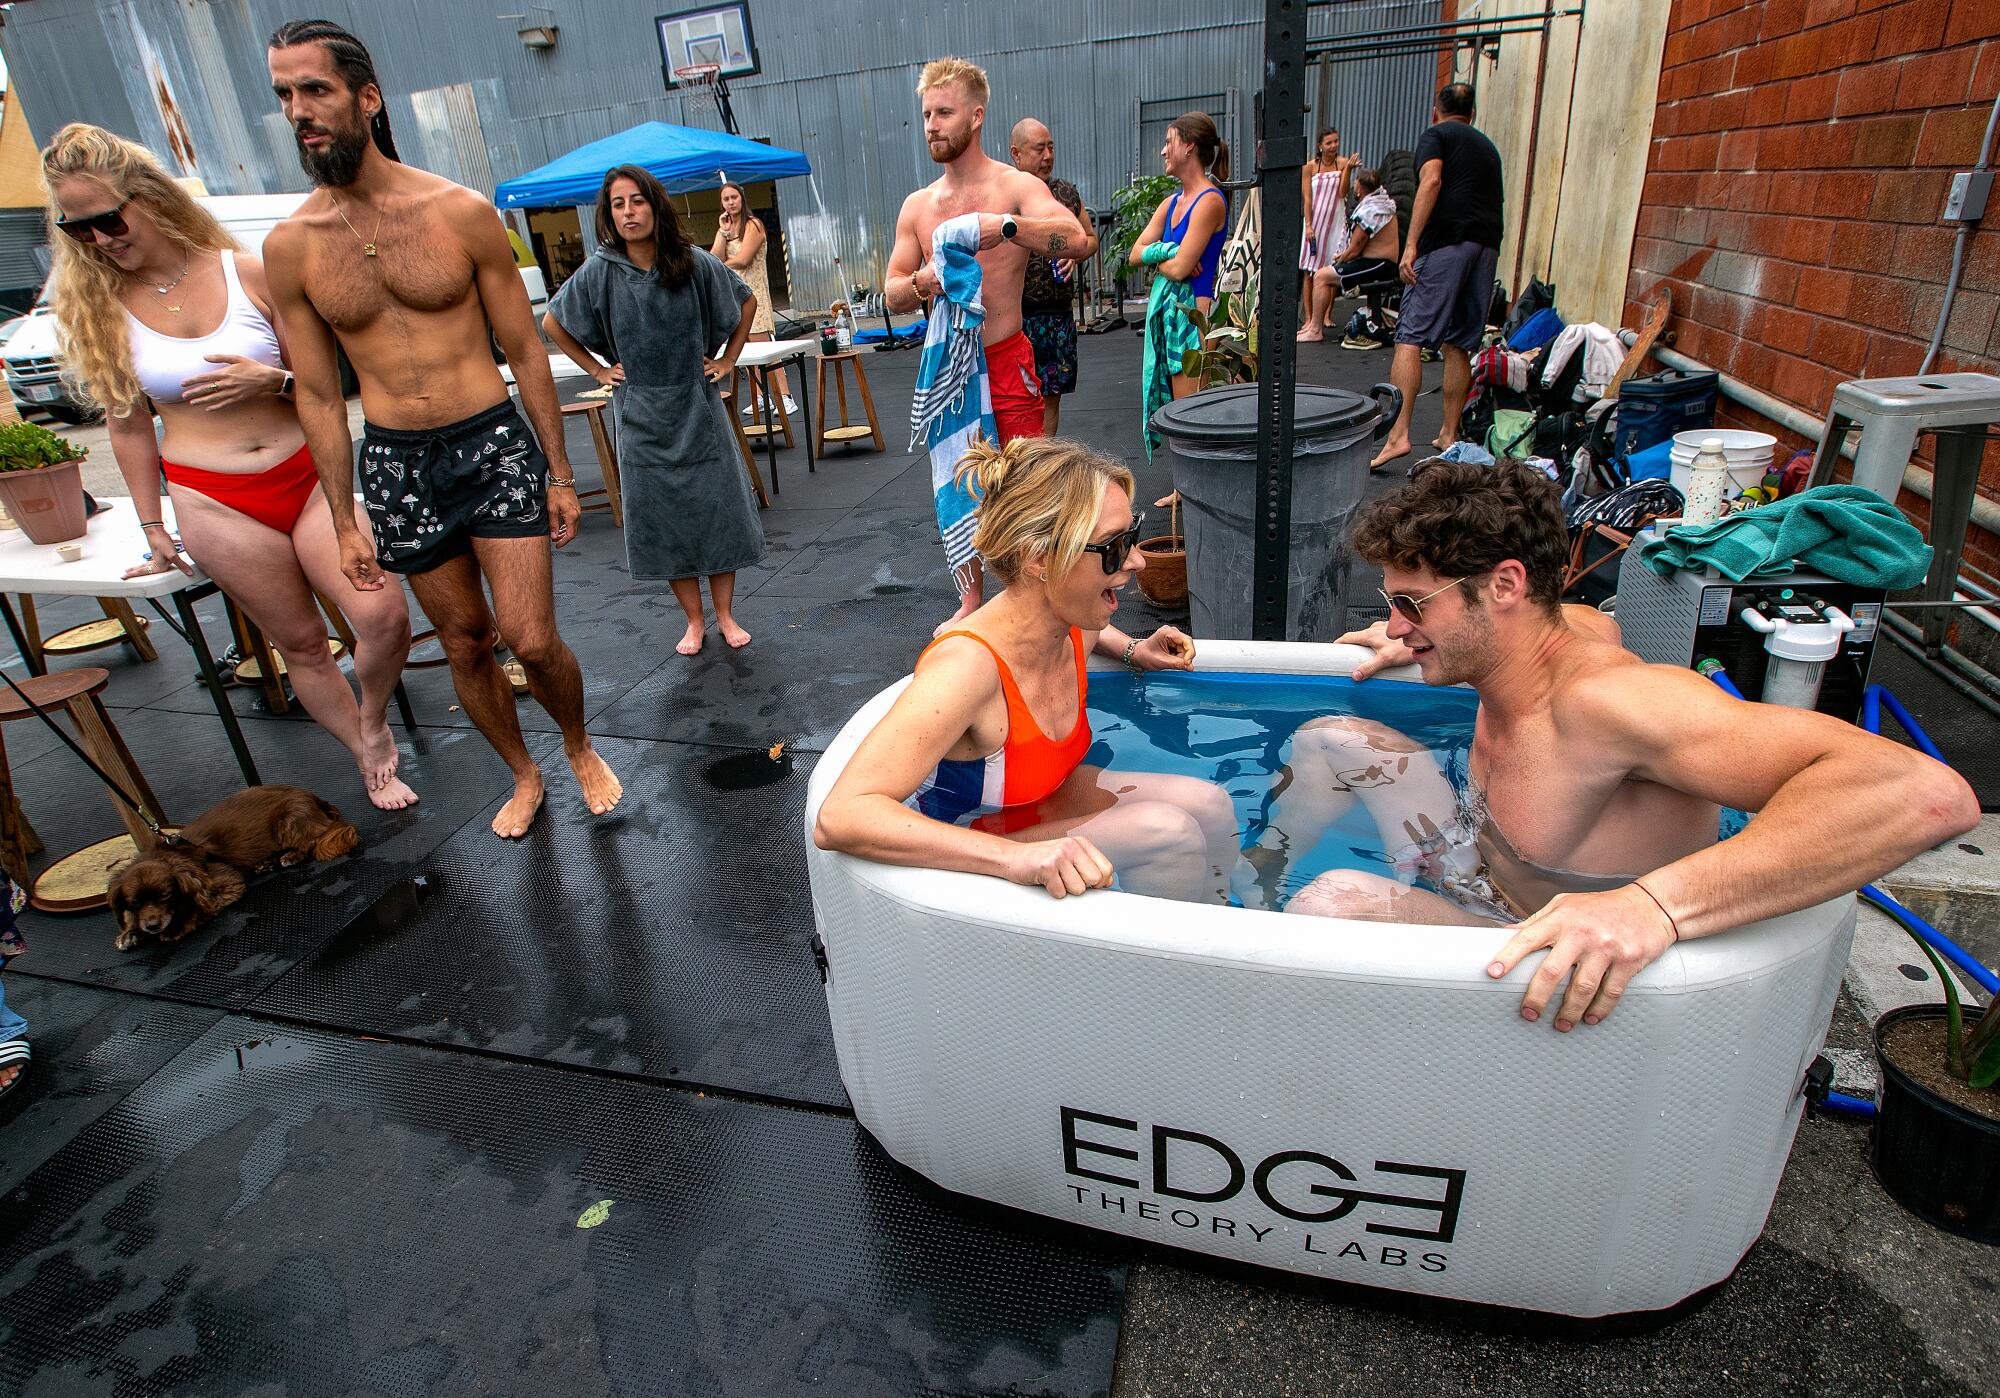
<point>275,497</point>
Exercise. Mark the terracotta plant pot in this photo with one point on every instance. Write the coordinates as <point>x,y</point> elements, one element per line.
<point>47,502</point>
<point>1163,581</point>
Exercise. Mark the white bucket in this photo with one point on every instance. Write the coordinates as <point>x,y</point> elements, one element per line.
<point>1749,455</point>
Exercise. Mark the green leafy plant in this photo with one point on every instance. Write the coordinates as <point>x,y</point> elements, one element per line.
<point>1132,209</point>
<point>28,446</point>
<point>1972,1055</point>
<point>1228,329</point>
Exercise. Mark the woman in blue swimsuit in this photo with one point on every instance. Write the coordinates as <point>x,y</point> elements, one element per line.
<point>1191,219</point>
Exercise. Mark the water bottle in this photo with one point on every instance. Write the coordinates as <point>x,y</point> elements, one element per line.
<point>843,326</point>
<point>1708,485</point>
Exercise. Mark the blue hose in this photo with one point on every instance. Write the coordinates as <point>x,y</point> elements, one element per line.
<point>1872,701</point>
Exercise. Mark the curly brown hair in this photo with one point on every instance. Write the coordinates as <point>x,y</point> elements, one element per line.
<point>1462,521</point>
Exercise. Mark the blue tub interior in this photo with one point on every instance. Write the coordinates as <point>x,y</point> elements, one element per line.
<point>1235,730</point>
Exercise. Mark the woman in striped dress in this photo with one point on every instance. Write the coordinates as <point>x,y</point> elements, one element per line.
<point>1324,191</point>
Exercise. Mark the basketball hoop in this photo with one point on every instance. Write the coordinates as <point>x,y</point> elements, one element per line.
<point>702,87</point>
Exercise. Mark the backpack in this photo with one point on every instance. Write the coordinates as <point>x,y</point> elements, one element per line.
<point>1244,249</point>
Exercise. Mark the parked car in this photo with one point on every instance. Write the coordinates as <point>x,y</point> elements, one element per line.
<point>32,355</point>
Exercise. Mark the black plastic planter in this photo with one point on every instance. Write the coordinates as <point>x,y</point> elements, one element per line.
<point>1936,1159</point>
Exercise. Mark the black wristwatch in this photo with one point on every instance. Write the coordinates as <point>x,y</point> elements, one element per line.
<point>286,385</point>
<point>1008,227</point>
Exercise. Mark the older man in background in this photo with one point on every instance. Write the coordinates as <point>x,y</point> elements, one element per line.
<point>1048,290</point>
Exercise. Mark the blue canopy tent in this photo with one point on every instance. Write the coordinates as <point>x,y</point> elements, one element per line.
<point>683,158</point>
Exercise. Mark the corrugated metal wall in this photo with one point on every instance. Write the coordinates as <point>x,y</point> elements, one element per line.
<point>839,83</point>
<point>1379,104</point>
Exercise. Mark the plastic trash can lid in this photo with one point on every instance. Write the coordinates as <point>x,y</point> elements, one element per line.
<point>1229,414</point>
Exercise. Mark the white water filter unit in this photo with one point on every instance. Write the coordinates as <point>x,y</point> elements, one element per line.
<point>1800,638</point>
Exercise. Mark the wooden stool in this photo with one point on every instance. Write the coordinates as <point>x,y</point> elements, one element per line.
<point>610,497</point>
<point>846,431</point>
<point>77,882</point>
<point>761,409</point>
<point>743,444</point>
<point>120,624</point>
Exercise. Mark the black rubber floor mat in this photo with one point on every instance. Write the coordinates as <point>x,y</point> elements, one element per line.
<point>670,939</point>
<point>285,914</point>
<point>91,1048</point>
<point>812,664</point>
<point>883,543</point>
<point>285,1211</point>
<point>1962,730</point>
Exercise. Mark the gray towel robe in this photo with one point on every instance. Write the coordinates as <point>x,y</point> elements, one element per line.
<point>688,508</point>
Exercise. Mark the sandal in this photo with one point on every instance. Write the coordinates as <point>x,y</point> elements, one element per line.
<point>517,675</point>
<point>14,1051</point>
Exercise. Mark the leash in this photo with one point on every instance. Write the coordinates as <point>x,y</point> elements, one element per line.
<point>120,792</point>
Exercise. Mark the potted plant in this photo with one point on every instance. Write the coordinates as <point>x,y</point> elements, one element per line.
<point>41,484</point>
<point>1228,329</point>
<point>1936,1143</point>
<point>1163,581</point>
<point>1132,209</point>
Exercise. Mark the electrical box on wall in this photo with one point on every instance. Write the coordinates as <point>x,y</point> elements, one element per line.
<point>1965,200</point>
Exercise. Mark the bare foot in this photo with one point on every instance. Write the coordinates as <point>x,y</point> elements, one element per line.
<point>601,787</point>
<point>519,813</point>
<point>1444,441</point>
<point>967,605</point>
<point>378,763</point>
<point>11,1072</point>
<point>1391,449</point>
<point>1307,336</point>
<point>735,635</point>
<point>690,643</point>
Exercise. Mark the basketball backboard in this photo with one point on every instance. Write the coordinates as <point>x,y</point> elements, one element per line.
<point>718,34</point>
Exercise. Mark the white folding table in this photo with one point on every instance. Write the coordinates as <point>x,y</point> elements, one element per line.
<point>762,355</point>
<point>113,543</point>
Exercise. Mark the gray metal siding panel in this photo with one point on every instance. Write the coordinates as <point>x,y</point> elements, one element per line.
<point>1379,104</point>
<point>21,232</point>
<point>839,82</point>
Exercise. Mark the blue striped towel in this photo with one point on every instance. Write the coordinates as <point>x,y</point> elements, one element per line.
<point>953,401</point>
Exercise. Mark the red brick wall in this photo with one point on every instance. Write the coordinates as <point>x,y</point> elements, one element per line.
<point>1800,154</point>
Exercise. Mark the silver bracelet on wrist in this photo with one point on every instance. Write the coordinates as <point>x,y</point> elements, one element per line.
<point>1131,644</point>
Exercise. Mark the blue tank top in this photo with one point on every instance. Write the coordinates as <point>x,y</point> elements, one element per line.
<point>1202,283</point>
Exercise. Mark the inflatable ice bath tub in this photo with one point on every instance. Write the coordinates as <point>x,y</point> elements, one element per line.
<point>1352,1100</point>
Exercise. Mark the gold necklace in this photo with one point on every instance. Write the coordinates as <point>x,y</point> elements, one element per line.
<point>163,290</point>
<point>367,245</point>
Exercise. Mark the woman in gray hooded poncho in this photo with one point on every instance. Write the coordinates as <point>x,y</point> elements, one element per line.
<point>657,308</point>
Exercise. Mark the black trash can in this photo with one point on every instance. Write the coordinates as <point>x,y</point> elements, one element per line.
<point>1213,438</point>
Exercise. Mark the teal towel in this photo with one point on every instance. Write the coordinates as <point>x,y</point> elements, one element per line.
<point>1842,531</point>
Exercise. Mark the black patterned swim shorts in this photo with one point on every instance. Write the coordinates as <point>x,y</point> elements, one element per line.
<point>1054,341</point>
<point>431,492</point>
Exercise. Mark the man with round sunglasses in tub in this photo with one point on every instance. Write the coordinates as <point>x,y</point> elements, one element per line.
<point>979,765</point>
<point>1589,820</point>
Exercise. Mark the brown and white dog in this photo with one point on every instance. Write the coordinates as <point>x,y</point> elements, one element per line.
<point>173,888</point>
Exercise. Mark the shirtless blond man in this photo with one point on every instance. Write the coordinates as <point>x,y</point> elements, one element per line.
<point>1016,213</point>
<point>410,274</point>
<point>1605,774</point>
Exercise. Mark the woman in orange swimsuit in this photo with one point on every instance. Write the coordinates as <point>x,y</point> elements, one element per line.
<point>162,315</point>
<point>979,764</point>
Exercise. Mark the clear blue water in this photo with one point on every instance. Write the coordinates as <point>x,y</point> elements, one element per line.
<point>1235,730</point>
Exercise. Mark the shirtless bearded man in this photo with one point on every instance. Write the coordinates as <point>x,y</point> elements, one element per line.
<point>1016,213</point>
<point>1589,820</point>
<point>410,274</point>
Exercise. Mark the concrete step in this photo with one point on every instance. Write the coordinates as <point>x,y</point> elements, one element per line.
<point>1956,888</point>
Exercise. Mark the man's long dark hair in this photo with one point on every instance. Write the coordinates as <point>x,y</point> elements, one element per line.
<point>351,60</point>
<point>673,255</point>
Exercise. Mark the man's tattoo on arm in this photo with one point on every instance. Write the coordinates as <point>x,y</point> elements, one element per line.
<point>1057,242</point>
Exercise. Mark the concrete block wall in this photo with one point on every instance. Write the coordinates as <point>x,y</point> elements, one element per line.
<point>1799,160</point>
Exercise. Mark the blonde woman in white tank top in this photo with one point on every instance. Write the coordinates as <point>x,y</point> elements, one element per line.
<point>741,245</point>
<point>162,317</point>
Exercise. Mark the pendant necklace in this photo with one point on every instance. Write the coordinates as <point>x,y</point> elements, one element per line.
<point>163,290</point>
<point>368,245</point>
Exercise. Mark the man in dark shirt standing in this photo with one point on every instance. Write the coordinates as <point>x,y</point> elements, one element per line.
<point>1448,262</point>
<point>1048,292</point>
